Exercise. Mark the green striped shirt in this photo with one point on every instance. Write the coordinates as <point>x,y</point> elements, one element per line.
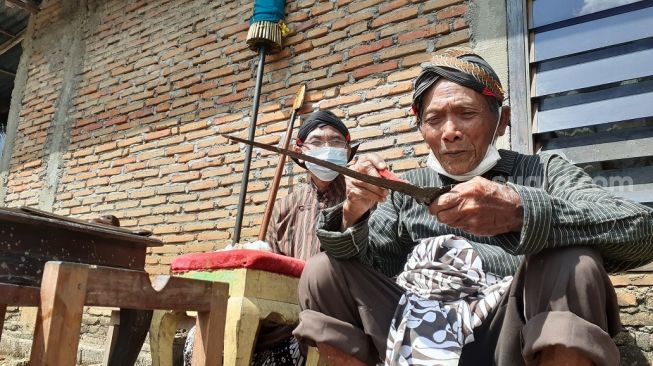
<point>562,207</point>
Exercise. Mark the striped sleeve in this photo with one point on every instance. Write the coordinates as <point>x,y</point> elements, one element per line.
<point>352,243</point>
<point>380,230</point>
<point>272,233</point>
<point>571,210</point>
<point>562,207</point>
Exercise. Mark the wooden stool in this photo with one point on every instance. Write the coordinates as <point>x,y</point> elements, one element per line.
<point>67,287</point>
<point>262,286</point>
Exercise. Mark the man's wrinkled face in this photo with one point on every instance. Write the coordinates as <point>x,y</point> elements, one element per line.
<point>458,125</point>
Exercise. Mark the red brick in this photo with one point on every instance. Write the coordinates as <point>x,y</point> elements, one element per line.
<point>373,69</point>
<point>360,134</point>
<point>157,135</point>
<point>193,126</point>
<point>218,73</point>
<point>305,46</point>
<point>354,41</point>
<point>405,165</point>
<point>452,11</point>
<point>238,27</point>
<point>452,39</point>
<point>235,78</point>
<point>327,82</point>
<point>121,70</point>
<point>206,184</point>
<point>214,235</point>
<point>330,16</point>
<point>317,32</point>
<point>404,74</point>
<point>390,90</point>
<point>351,19</point>
<point>370,47</point>
<point>381,117</point>
<point>296,17</point>
<point>328,104</point>
<point>330,38</point>
<point>409,138</point>
<point>398,52</point>
<point>88,90</point>
<point>395,17</point>
<point>438,4</point>
<point>428,32</point>
<point>232,97</point>
<point>325,61</point>
<point>353,63</point>
<point>416,59</point>
<point>369,107</point>
<point>300,27</point>
<point>200,88</point>
<point>186,177</point>
<point>321,8</point>
<point>403,126</point>
<point>362,4</point>
<point>384,8</point>
<point>459,23</point>
<point>200,42</point>
<point>361,85</point>
<point>393,30</point>
<point>305,4</point>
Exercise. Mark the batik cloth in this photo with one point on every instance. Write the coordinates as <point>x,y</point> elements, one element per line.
<point>447,295</point>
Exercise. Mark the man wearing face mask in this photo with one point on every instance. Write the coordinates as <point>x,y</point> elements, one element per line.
<point>537,218</point>
<point>291,231</point>
<point>292,224</point>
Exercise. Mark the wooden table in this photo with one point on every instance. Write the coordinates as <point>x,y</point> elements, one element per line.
<point>29,238</point>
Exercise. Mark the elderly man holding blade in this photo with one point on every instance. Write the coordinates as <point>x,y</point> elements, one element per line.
<point>509,267</point>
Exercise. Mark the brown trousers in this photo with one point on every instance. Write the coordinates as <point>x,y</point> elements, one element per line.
<point>558,297</point>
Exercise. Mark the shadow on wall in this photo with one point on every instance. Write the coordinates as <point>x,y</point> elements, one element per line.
<point>631,353</point>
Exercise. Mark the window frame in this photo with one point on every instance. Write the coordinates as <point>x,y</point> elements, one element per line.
<point>519,76</point>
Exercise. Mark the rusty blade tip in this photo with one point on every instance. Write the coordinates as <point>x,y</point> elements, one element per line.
<point>299,99</point>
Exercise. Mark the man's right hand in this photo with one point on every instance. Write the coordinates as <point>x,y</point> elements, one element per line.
<point>361,196</point>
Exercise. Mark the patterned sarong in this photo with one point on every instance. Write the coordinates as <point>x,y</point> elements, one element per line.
<point>447,295</point>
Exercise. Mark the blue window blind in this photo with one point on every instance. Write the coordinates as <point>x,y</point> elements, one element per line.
<point>591,67</point>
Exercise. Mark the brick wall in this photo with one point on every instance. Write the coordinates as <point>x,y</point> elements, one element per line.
<point>635,296</point>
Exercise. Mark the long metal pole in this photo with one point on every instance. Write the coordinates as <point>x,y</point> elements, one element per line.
<point>248,153</point>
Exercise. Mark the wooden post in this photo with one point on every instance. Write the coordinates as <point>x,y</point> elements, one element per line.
<point>112,335</point>
<point>209,335</point>
<point>63,291</point>
<point>3,311</point>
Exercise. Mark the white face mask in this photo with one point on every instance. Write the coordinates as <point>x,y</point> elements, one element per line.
<point>490,159</point>
<point>333,155</point>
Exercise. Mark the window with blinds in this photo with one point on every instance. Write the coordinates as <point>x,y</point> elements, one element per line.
<point>590,66</point>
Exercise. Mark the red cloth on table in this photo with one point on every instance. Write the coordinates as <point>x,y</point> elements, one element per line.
<point>239,258</point>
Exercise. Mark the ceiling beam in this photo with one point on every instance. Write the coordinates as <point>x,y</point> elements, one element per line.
<point>28,5</point>
<point>10,43</point>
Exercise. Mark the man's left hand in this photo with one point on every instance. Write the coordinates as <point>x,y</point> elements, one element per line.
<point>480,207</point>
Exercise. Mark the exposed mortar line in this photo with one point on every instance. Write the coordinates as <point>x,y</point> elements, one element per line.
<point>17,95</point>
<point>58,138</point>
